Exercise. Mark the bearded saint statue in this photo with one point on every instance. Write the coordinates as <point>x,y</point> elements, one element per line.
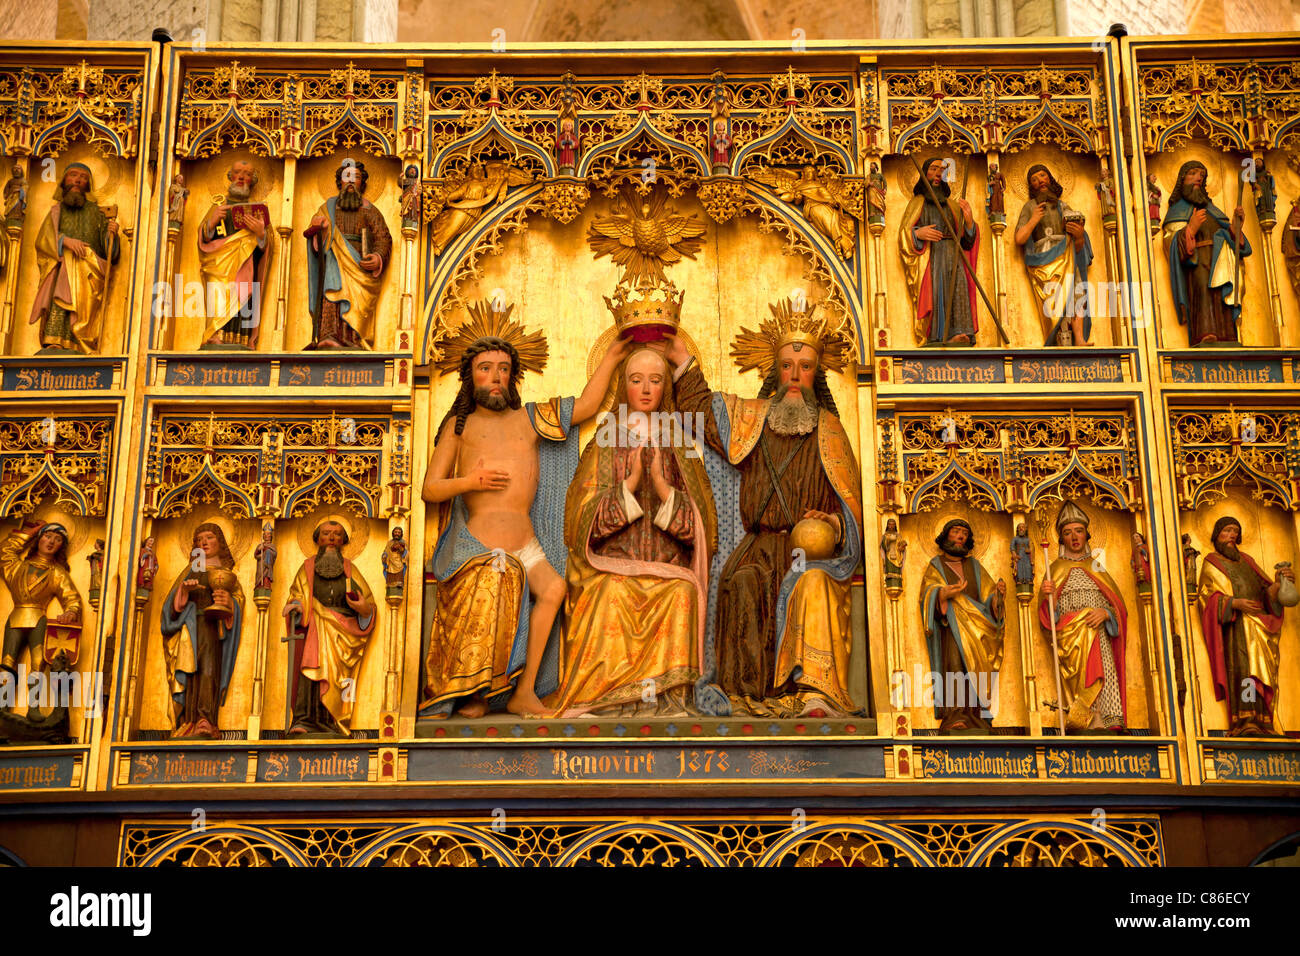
<point>1057,254</point>
<point>349,247</point>
<point>499,471</point>
<point>331,618</point>
<point>235,243</point>
<point>1203,247</point>
<point>782,634</point>
<point>74,248</point>
<point>943,298</point>
<point>1241,620</point>
<point>963,610</point>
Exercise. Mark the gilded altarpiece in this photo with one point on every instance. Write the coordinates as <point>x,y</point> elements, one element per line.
<point>1242,465</point>
<point>1002,472</point>
<point>307,239</point>
<point>1225,124</point>
<point>266,484</point>
<point>74,134</point>
<point>990,127</point>
<point>1236,118</point>
<point>293,131</point>
<point>57,471</point>
<point>74,110</point>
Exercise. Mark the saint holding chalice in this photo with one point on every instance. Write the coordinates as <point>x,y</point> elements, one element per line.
<point>201,621</point>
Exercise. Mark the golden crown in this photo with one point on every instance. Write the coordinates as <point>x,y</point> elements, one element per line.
<point>649,305</point>
<point>789,325</point>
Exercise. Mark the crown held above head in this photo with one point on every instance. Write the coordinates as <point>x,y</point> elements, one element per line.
<point>647,312</point>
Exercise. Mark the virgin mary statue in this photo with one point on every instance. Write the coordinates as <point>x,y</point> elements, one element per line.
<point>640,526</point>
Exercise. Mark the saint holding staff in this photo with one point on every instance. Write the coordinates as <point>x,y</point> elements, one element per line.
<point>1204,247</point>
<point>944,302</point>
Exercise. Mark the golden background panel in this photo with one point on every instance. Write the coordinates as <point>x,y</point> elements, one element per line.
<point>549,272</point>
<point>314,183</point>
<point>172,535</point>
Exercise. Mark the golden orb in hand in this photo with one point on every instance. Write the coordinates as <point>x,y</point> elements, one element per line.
<point>815,536</point>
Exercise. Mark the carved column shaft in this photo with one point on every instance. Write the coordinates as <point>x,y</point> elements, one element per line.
<point>1270,261</point>
<point>1121,332</point>
<point>287,247</point>
<point>900,707</point>
<point>13,235</point>
<point>139,641</point>
<point>876,268</point>
<point>169,274</point>
<point>879,295</point>
<point>410,268</point>
<point>395,637</point>
<point>262,600</point>
<point>1194,634</point>
<point>1150,644</point>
